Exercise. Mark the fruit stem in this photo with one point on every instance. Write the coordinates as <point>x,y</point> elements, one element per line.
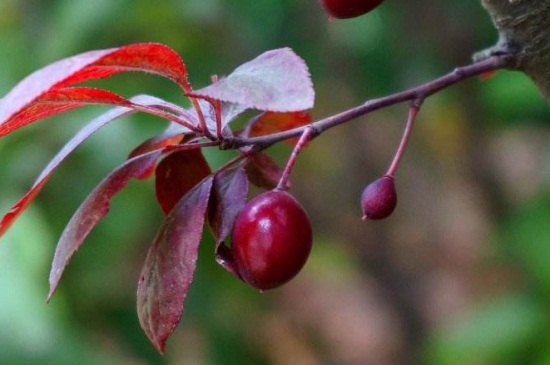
<point>414,108</point>
<point>304,138</point>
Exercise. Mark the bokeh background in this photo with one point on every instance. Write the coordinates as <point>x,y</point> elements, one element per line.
<point>460,274</point>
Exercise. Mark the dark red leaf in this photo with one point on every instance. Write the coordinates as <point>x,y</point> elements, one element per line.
<point>156,142</point>
<point>178,173</point>
<point>262,171</point>
<point>146,57</point>
<point>80,137</point>
<point>57,101</point>
<point>277,80</point>
<point>170,264</point>
<point>93,209</point>
<point>163,140</point>
<point>273,122</point>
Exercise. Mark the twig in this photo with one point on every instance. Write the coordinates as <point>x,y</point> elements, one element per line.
<point>420,92</point>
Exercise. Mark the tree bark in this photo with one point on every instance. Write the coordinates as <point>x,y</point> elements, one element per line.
<point>524,29</point>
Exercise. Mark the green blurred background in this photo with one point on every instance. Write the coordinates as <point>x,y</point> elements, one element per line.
<point>460,274</point>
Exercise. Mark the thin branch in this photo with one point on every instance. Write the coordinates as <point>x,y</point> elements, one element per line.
<point>420,92</point>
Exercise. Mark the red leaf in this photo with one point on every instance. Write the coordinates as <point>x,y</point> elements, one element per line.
<point>272,122</point>
<point>262,171</point>
<point>10,217</point>
<point>146,57</point>
<point>80,137</point>
<point>178,173</point>
<point>277,80</point>
<point>93,209</point>
<point>170,264</point>
<point>57,101</point>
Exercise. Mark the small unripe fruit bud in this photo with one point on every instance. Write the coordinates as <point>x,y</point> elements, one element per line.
<point>349,8</point>
<point>379,198</point>
<point>271,240</point>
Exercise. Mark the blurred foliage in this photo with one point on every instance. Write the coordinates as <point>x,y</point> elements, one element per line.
<point>459,275</point>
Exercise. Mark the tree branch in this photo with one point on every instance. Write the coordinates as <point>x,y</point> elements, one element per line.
<point>420,92</point>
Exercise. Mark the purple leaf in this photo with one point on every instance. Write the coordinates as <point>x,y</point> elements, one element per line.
<point>170,265</point>
<point>228,198</point>
<point>80,137</point>
<point>277,80</point>
<point>229,111</point>
<point>93,209</point>
<point>229,194</point>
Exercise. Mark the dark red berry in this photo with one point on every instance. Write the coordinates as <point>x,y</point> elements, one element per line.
<point>349,8</point>
<point>271,240</point>
<point>379,198</point>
